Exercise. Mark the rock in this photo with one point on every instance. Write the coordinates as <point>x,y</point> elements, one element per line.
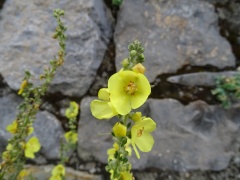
<point>31,46</point>
<point>174,34</point>
<point>46,127</point>
<point>192,137</point>
<point>49,131</point>
<point>8,106</point>
<point>145,175</point>
<point>93,135</point>
<point>44,172</point>
<point>229,13</point>
<point>200,78</point>
<point>196,136</point>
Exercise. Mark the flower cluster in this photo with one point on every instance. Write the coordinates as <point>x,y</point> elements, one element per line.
<point>127,90</point>
<point>69,142</point>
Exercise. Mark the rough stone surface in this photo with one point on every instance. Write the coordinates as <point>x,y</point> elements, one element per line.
<point>200,79</point>
<point>174,33</point>
<point>229,12</point>
<point>196,136</point>
<point>45,126</point>
<point>44,172</point>
<point>93,135</point>
<point>27,43</point>
<point>49,131</point>
<point>8,106</point>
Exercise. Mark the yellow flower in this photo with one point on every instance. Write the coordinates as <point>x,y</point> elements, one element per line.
<point>111,151</point>
<point>12,128</point>
<point>22,87</point>
<point>115,148</point>
<point>71,137</point>
<point>31,147</point>
<point>22,174</point>
<point>30,130</point>
<point>55,177</point>
<point>126,176</point>
<point>119,130</point>
<point>72,111</point>
<point>6,155</point>
<point>140,135</point>
<point>58,170</point>
<point>103,108</point>
<point>128,90</point>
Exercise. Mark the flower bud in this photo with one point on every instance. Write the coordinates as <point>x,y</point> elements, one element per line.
<point>22,87</point>
<point>137,116</point>
<point>125,62</point>
<point>139,68</point>
<point>119,130</point>
<point>141,58</point>
<point>133,53</point>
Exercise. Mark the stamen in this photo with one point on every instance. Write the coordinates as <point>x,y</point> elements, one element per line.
<point>139,132</point>
<point>131,88</point>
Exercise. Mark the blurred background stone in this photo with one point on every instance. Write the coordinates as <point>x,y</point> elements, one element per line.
<point>174,34</point>
<point>196,136</point>
<point>27,43</point>
<point>45,126</point>
<point>44,172</point>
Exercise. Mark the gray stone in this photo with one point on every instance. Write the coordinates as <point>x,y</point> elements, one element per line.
<point>8,106</point>
<point>174,34</point>
<point>196,136</point>
<point>46,127</point>
<point>44,172</point>
<point>27,43</point>
<point>49,131</point>
<point>200,78</point>
<point>93,135</point>
<point>228,12</point>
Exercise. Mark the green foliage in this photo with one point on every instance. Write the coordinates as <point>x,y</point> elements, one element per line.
<point>117,2</point>
<point>17,150</point>
<point>227,89</point>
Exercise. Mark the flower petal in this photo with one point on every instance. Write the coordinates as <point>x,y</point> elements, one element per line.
<point>145,143</point>
<point>148,124</point>
<point>138,99</point>
<point>136,151</point>
<point>33,144</point>
<point>104,94</point>
<point>102,110</point>
<point>143,84</point>
<point>29,153</point>
<point>121,103</point>
<point>116,83</point>
<point>126,175</point>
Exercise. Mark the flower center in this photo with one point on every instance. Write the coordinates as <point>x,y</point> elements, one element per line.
<point>131,88</point>
<point>139,132</point>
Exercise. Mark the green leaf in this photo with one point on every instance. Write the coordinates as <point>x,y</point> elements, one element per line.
<point>229,86</point>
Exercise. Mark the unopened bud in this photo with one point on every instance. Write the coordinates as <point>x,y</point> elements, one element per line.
<point>139,68</point>
<point>125,62</point>
<point>137,116</point>
<point>133,53</point>
<point>119,130</point>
